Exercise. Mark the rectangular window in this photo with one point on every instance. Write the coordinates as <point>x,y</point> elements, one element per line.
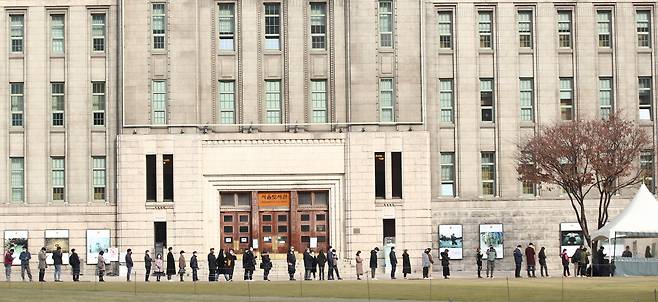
<point>17,180</point>
<point>58,179</point>
<point>98,103</point>
<point>645,98</point>
<point>17,103</point>
<point>606,97</point>
<point>646,165</point>
<point>445,30</point>
<point>396,174</point>
<point>57,99</point>
<point>227,26</point>
<point>168,177</point>
<point>98,32</point>
<point>446,98</point>
<point>98,177</point>
<point>386,23</point>
<point>488,167</point>
<point>448,174</point>
<point>604,25</point>
<point>151,177</point>
<point>525,28</point>
<point>487,100</point>
<point>564,28</point>
<point>386,100</point>
<point>17,31</point>
<point>319,101</point>
<point>158,25</point>
<point>380,175</point>
<point>57,33</point>
<point>527,99</point>
<point>318,25</point>
<point>485,29</point>
<point>273,26</point>
<point>566,99</point>
<point>227,102</point>
<point>528,188</point>
<point>643,25</point>
<point>159,102</point>
<point>273,101</point>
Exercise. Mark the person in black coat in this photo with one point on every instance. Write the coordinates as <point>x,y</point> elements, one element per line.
<point>394,261</point>
<point>58,262</point>
<point>171,264</point>
<point>229,265</point>
<point>406,264</point>
<point>445,262</point>
<point>308,262</point>
<point>373,262</point>
<point>478,261</point>
<point>321,259</point>
<point>194,265</point>
<point>221,264</point>
<point>292,261</point>
<point>542,261</point>
<point>266,265</point>
<point>148,261</point>
<point>249,263</point>
<point>330,264</point>
<point>74,261</point>
<point>212,265</point>
<point>129,263</point>
<point>314,264</point>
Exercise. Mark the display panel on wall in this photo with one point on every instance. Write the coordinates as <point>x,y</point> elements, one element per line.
<point>54,239</point>
<point>492,235</point>
<point>16,240</point>
<point>97,240</point>
<point>451,238</point>
<point>571,237</point>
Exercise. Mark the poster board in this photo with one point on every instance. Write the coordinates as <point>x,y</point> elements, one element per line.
<point>571,237</point>
<point>97,240</point>
<point>492,234</point>
<point>18,241</point>
<point>451,238</point>
<point>53,239</point>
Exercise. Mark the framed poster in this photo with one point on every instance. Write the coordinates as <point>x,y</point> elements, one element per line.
<point>571,237</point>
<point>492,235</point>
<point>451,238</point>
<point>97,240</point>
<point>16,240</point>
<point>54,239</point>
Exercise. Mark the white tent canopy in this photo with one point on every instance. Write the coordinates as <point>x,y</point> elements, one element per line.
<point>639,219</point>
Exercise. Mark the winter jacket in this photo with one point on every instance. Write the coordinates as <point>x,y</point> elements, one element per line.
<point>542,257</point>
<point>8,259</point>
<point>530,256</point>
<point>194,263</point>
<point>359,265</point>
<point>308,260</point>
<point>101,263</point>
<point>406,263</point>
<point>518,256</point>
<point>42,260</point>
<point>171,264</point>
<point>212,261</point>
<point>373,259</point>
<point>249,260</point>
<point>478,258</point>
<point>445,259</point>
<point>25,257</point>
<point>565,258</point>
<point>74,261</point>
<point>427,259</point>
<point>266,263</point>
<point>129,260</point>
<point>392,258</point>
<point>491,255</point>
<point>159,265</point>
<point>148,261</point>
<point>182,264</point>
<point>321,259</point>
<point>57,258</point>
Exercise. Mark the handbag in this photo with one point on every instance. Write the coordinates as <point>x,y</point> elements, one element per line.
<point>181,271</point>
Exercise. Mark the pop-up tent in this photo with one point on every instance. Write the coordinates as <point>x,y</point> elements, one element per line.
<point>638,220</point>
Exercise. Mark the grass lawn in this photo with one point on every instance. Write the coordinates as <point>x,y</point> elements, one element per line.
<point>580,290</point>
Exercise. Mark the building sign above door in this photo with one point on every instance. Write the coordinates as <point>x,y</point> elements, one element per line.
<point>274,199</point>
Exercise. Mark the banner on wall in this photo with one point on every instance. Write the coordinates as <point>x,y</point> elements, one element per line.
<point>451,238</point>
<point>571,237</point>
<point>16,240</point>
<point>97,240</point>
<point>54,239</point>
<point>492,235</point>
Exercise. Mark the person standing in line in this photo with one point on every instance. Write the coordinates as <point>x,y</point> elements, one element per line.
<point>575,259</point>
<point>373,262</point>
<point>542,262</point>
<point>9,258</point>
<point>266,265</point>
<point>518,260</point>
<point>42,264</point>
<point>359,265</point>
<point>57,262</point>
<point>330,264</point>
<point>321,259</point>
<point>229,265</point>
<point>292,261</point>
<point>129,263</point>
<point>394,262</point>
<point>427,263</point>
<point>530,261</point>
<point>74,261</point>
<point>583,261</point>
<point>406,264</point>
<point>212,265</point>
<point>194,265</point>
<point>491,261</point>
<point>148,261</point>
<point>182,264</point>
<point>171,264</point>
<point>159,267</point>
<point>221,264</point>
<point>647,252</point>
<point>308,261</point>
<point>25,257</point>
<point>335,263</point>
<point>478,261</point>
<point>249,264</point>
<point>314,264</point>
<point>445,263</point>
<point>627,252</point>
<point>100,265</point>
<point>564,257</point>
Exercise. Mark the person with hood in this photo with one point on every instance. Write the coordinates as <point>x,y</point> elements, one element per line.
<point>583,261</point>
<point>42,264</point>
<point>321,260</point>
<point>491,261</point>
<point>394,261</point>
<point>74,261</point>
<point>249,264</point>
<point>542,262</point>
<point>212,265</point>
<point>478,261</point>
<point>194,265</point>
<point>159,267</point>
<point>373,262</point>
<point>25,257</point>
<point>129,263</point>
<point>308,262</point>
<point>518,260</point>
<point>530,261</point>
<point>221,264</point>
<point>229,265</point>
<point>564,257</point>
<point>100,266</point>
<point>57,262</point>
<point>171,264</point>
<point>266,265</point>
<point>445,263</point>
<point>427,263</point>
<point>292,261</point>
<point>406,264</point>
<point>359,265</point>
<point>148,261</point>
<point>182,264</point>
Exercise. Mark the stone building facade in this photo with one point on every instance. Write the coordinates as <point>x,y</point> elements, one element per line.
<point>297,123</point>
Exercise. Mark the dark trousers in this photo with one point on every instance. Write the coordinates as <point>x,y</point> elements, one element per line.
<point>130,269</point>
<point>181,274</point>
<point>330,273</point>
<point>321,271</point>
<point>211,275</point>
<point>25,268</point>
<point>100,276</point>
<point>531,270</point>
<point>565,270</point>
<point>147,274</point>
<point>393,272</point>
<point>76,274</point>
<point>583,269</point>
<point>291,272</point>
<point>446,271</point>
<point>266,274</point>
<point>248,274</point>
<point>307,274</point>
<point>42,274</point>
<point>426,271</point>
<point>195,275</point>
<point>479,270</point>
<point>542,268</point>
<point>332,270</point>
<point>373,270</point>
<point>517,270</point>
<point>576,269</point>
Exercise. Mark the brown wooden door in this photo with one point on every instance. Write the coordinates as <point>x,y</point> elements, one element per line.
<point>235,230</point>
<point>274,231</point>
<point>313,224</point>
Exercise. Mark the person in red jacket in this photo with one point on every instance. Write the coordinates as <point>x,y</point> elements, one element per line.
<point>530,260</point>
<point>9,258</point>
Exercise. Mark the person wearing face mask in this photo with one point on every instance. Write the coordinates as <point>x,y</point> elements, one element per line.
<point>292,261</point>
<point>158,270</point>
<point>229,265</point>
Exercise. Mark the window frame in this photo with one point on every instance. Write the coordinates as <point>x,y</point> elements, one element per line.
<point>156,44</point>
<point>386,35</point>
<point>447,101</point>
<point>603,42</point>
<point>274,36</point>
<point>485,37</point>
<point>99,173</point>
<point>16,42</point>
<point>225,98</point>
<point>56,110</point>
<point>319,101</point>
<point>609,90</point>
<point>445,181</point>
<point>98,42</point>
<point>227,36</point>
<point>273,102</point>
<point>58,179</point>
<point>57,28</point>
<point>98,103</point>
<point>649,92</point>
<point>528,107</point>
<point>321,34</point>
<point>565,35</point>
<point>651,165</point>
<point>16,117</point>
<point>155,100</point>
<point>647,34</point>
<point>525,36</point>
<point>17,174</point>
<point>446,41</point>
<point>484,165</point>
<point>570,90</point>
<point>491,107</point>
<point>382,93</point>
